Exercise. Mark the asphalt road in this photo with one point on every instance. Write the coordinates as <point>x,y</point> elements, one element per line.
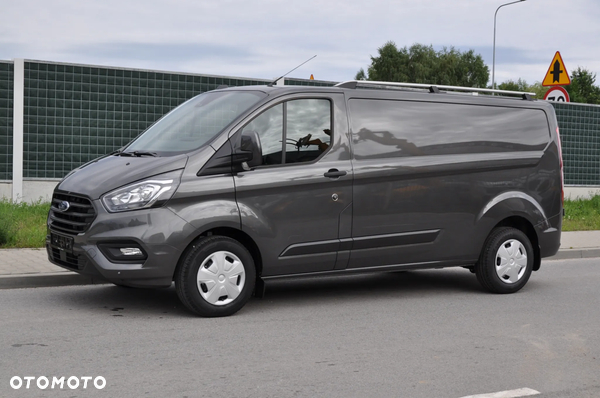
<point>416,334</point>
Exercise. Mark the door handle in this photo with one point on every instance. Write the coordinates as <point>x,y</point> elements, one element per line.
<point>335,173</point>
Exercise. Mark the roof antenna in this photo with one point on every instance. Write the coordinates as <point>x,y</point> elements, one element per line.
<point>280,77</point>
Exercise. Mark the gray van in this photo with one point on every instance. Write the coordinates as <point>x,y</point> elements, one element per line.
<point>241,185</point>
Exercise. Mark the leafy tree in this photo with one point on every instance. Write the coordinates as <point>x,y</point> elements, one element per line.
<point>522,86</point>
<point>538,89</point>
<point>422,64</point>
<point>360,75</point>
<point>582,88</point>
<point>511,85</point>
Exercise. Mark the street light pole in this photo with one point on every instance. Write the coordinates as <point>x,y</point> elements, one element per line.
<point>494,50</point>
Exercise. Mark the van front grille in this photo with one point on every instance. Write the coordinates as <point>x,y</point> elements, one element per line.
<point>71,214</point>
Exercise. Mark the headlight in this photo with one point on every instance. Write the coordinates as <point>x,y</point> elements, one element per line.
<point>143,194</point>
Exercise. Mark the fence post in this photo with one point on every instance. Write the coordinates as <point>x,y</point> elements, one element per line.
<point>18,115</point>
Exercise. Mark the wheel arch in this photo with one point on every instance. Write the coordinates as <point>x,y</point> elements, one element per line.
<point>518,210</point>
<point>232,233</point>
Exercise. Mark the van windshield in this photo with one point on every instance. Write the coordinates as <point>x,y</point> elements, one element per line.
<point>194,123</point>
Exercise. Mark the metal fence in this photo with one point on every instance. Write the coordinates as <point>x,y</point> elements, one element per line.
<point>6,119</point>
<point>75,113</point>
<point>579,126</point>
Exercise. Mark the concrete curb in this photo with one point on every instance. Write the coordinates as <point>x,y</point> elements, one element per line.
<point>568,254</point>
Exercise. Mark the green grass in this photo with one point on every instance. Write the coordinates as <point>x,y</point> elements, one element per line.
<point>582,214</point>
<point>22,224</point>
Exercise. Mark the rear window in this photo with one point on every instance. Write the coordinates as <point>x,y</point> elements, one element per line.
<point>387,128</point>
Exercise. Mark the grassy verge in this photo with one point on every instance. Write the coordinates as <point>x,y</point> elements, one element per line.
<point>22,224</point>
<point>582,214</point>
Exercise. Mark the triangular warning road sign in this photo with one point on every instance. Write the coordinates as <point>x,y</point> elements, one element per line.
<point>557,74</point>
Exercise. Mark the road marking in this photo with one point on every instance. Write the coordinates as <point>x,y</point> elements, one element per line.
<point>521,392</point>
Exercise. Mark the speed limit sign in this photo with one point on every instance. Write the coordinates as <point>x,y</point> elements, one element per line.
<point>557,94</point>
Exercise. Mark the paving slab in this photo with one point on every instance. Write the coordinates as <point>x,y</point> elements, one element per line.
<point>24,268</point>
<point>580,240</point>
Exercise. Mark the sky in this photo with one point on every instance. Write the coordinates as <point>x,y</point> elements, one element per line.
<point>267,38</point>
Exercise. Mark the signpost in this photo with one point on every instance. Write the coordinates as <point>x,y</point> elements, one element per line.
<point>557,94</point>
<point>557,76</point>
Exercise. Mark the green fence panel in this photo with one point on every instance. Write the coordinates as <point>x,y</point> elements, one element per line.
<point>6,119</point>
<point>579,126</point>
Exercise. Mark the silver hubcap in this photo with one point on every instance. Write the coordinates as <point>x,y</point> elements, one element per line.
<point>511,261</point>
<point>221,278</point>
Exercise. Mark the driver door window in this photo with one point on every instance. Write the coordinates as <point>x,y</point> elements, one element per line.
<point>294,131</point>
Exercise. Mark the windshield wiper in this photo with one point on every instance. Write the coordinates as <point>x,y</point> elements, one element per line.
<point>135,153</point>
<point>144,153</point>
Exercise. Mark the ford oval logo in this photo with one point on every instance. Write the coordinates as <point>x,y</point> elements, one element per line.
<point>64,205</point>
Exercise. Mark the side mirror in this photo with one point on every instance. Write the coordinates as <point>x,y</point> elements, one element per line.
<point>249,152</point>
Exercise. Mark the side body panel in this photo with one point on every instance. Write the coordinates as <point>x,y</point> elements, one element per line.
<point>425,170</point>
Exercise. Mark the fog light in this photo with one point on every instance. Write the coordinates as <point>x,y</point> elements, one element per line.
<point>131,251</point>
<point>123,252</point>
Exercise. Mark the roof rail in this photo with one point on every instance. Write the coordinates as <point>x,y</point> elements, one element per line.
<point>433,88</point>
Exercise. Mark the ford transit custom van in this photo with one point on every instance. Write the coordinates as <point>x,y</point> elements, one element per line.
<point>241,185</point>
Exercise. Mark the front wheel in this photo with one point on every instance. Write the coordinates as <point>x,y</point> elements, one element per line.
<point>506,261</point>
<point>216,277</point>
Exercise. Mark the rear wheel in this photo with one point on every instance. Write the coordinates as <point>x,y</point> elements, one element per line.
<point>506,261</point>
<point>216,277</point>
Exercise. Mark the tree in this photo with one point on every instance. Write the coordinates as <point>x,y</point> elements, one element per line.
<point>360,75</point>
<point>422,64</point>
<point>538,89</point>
<point>511,85</point>
<point>582,88</point>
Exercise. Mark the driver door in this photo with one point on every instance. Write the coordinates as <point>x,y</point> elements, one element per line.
<point>297,205</point>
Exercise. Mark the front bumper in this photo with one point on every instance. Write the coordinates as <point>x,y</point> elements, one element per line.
<point>160,233</point>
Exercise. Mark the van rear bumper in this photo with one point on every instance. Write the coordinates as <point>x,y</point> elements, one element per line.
<point>549,236</point>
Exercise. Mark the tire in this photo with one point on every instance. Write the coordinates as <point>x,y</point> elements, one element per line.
<point>216,277</point>
<point>506,261</point>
